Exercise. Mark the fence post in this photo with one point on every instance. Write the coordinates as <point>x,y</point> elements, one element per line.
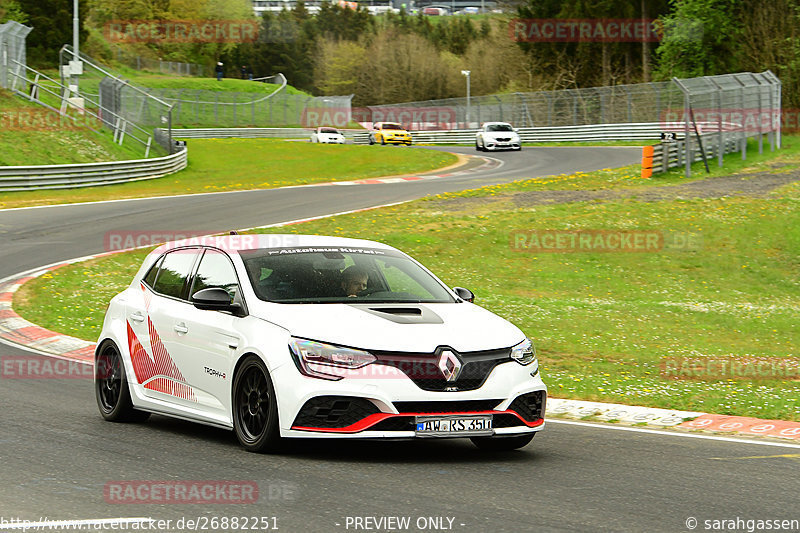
<point>720,141</point>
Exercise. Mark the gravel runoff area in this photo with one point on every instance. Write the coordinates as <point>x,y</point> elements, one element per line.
<point>758,184</point>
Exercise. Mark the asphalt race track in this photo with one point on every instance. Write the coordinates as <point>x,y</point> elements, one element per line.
<point>58,455</point>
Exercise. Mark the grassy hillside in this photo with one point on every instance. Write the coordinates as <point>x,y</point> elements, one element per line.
<point>32,135</point>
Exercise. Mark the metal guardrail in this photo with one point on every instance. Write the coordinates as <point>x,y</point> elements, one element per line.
<point>22,178</point>
<point>671,155</point>
<point>585,133</point>
<point>588,133</point>
<point>244,133</point>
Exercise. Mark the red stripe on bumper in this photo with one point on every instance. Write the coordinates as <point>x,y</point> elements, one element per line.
<point>371,420</point>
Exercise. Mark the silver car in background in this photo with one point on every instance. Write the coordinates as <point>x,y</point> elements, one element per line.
<point>497,136</point>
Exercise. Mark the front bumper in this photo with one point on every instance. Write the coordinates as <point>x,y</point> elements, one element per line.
<point>387,408</point>
<point>398,140</point>
<point>491,144</point>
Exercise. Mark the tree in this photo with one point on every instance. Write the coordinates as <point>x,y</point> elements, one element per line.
<point>12,10</point>
<point>52,28</point>
<point>701,37</point>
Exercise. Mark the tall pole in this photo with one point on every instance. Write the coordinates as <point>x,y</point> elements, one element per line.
<point>75,44</point>
<point>467,73</point>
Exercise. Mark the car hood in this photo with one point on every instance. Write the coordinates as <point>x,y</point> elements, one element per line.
<point>496,134</point>
<point>419,328</point>
<point>330,135</point>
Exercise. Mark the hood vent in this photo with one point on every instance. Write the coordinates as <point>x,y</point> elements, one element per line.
<point>398,310</point>
<point>401,314</point>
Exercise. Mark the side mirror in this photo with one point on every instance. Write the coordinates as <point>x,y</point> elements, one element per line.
<point>464,294</point>
<point>215,299</point>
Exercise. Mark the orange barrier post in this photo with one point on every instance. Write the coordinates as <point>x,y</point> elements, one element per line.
<point>647,162</point>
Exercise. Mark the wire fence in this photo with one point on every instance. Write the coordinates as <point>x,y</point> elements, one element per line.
<point>172,68</point>
<point>202,108</point>
<point>635,103</point>
<point>12,53</point>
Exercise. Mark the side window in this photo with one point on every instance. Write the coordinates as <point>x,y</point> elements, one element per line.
<point>215,270</point>
<point>175,268</point>
<point>150,278</point>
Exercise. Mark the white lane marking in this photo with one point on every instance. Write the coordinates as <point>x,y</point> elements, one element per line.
<point>70,524</point>
<point>673,433</point>
<point>99,202</point>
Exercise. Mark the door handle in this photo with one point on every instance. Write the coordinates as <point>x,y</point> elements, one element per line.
<point>137,317</point>
<point>181,328</point>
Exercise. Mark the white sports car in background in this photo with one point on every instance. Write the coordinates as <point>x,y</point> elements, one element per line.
<point>327,135</point>
<point>285,336</point>
<point>497,136</point>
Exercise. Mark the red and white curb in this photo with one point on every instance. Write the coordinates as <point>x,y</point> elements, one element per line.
<point>488,164</point>
<point>666,418</point>
<point>17,331</point>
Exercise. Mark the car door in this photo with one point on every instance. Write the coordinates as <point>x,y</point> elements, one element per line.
<point>161,374</point>
<point>207,341</point>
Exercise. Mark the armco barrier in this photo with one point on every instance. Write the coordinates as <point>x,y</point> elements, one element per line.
<point>89,174</point>
<point>588,133</point>
<point>670,155</point>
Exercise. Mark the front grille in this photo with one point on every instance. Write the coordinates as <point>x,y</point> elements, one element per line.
<point>423,369</point>
<point>446,407</point>
<point>529,406</point>
<point>503,139</point>
<point>330,412</point>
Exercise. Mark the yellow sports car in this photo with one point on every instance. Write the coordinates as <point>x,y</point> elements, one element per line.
<point>389,132</point>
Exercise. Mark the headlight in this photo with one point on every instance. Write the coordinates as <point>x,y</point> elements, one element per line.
<point>326,361</point>
<point>524,353</point>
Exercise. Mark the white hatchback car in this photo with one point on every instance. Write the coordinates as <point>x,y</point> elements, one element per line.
<point>283,336</point>
<point>497,136</point>
<point>327,135</point>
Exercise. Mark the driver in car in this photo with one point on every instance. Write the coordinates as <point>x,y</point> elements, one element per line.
<point>354,280</point>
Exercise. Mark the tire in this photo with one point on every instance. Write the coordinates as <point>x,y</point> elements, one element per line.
<point>502,444</point>
<point>383,140</point>
<point>478,146</point>
<point>371,140</point>
<point>111,387</point>
<point>255,409</point>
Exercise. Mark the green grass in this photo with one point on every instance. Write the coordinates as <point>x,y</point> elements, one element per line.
<point>240,164</point>
<point>44,141</point>
<point>603,323</point>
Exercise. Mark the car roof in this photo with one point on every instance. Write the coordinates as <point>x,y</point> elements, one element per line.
<point>384,123</point>
<point>493,123</point>
<point>253,241</point>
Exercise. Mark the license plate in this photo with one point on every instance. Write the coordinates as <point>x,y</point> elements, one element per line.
<point>442,426</point>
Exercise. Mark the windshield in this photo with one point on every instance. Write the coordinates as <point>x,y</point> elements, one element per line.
<point>328,130</point>
<point>392,127</point>
<point>499,127</point>
<point>340,275</point>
